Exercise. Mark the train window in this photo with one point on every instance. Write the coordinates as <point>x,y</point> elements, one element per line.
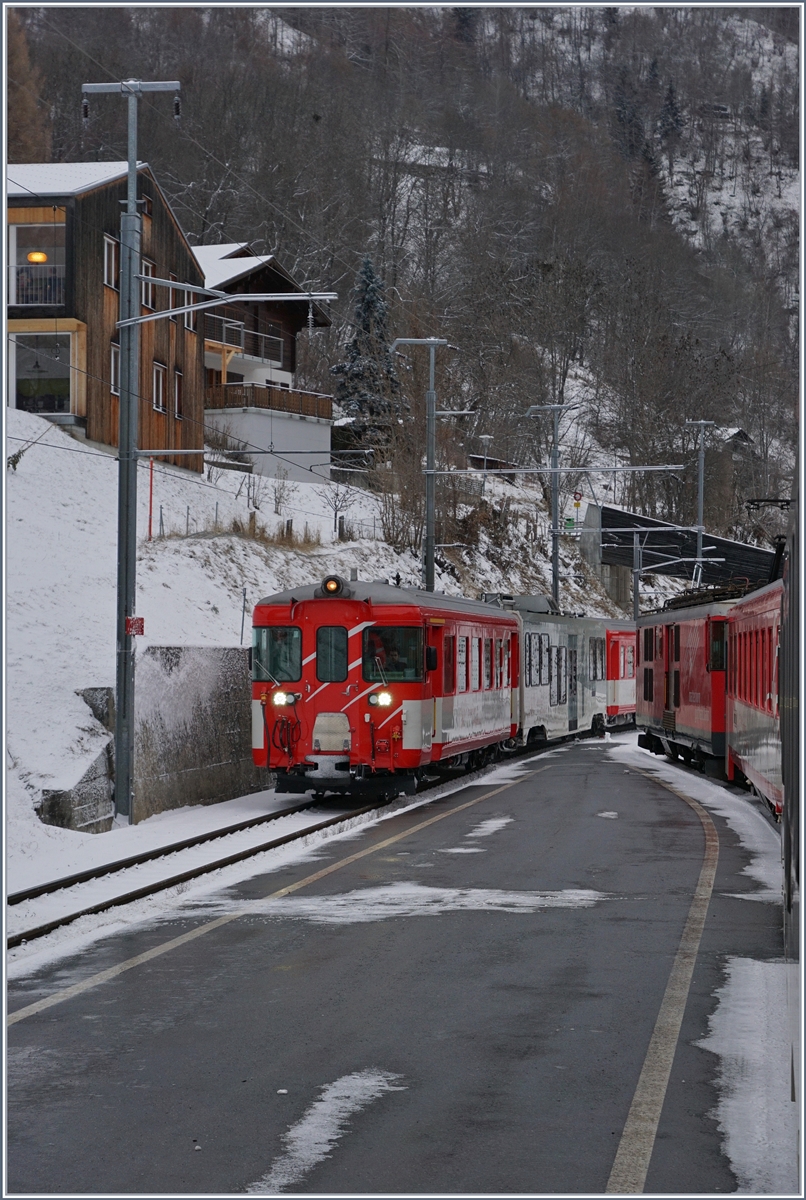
<point>393,652</point>
<point>658,641</point>
<point>554,690</point>
<point>572,673</point>
<point>448,665</point>
<point>648,683</point>
<point>331,654</point>
<point>545,652</point>
<point>596,658</point>
<point>676,689</point>
<point>676,651</point>
<point>499,663</point>
<point>621,662</point>
<point>631,662</point>
<point>562,673</point>
<point>649,639</point>
<point>461,664</point>
<point>277,653</point>
<point>488,663</point>
<point>717,658</point>
<point>475,656</point>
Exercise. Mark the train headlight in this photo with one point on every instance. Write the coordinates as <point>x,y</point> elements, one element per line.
<point>381,699</point>
<point>281,698</point>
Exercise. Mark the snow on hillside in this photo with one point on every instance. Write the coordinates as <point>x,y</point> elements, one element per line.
<point>61,503</point>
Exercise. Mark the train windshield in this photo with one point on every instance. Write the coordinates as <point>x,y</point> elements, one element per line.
<point>277,653</point>
<point>393,652</point>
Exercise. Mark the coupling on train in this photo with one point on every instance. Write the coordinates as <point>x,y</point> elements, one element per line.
<point>361,687</point>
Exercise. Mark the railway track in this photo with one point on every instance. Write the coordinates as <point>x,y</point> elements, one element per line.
<point>149,856</point>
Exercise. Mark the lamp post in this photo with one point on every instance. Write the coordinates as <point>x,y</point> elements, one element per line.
<point>556,409</point>
<point>130,235</point>
<point>430,452</point>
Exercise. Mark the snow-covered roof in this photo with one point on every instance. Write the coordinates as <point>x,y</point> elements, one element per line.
<point>222,264</point>
<point>62,179</point>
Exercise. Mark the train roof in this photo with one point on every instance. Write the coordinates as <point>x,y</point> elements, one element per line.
<point>379,593</point>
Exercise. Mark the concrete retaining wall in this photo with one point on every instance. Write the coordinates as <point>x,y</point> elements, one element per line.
<point>193,739</point>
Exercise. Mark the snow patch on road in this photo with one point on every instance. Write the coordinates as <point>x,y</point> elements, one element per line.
<point>417,900</point>
<point>754,831</point>
<point>464,850</point>
<point>313,1137</point>
<point>486,828</point>
<point>757,1119</point>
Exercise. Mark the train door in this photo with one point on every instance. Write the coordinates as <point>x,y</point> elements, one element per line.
<point>573,713</point>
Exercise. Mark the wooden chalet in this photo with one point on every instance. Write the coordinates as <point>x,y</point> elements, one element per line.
<point>250,360</point>
<point>63,305</point>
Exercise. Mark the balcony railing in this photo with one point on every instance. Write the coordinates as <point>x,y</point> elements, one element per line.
<point>35,284</point>
<point>264,346</point>
<point>227,331</point>
<point>252,395</point>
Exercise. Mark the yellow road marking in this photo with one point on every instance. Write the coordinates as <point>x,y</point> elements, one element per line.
<point>103,976</point>
<point>631,1165</point>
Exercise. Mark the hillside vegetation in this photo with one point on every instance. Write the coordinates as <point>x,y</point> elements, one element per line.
<point>596,205</point>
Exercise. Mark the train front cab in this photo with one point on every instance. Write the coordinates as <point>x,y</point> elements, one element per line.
<point>351,696</point>
<point>680,701</point>
<point>753,734</point>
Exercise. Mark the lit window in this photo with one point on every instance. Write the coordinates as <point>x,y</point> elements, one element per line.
<point>114,371</point>
<point>158,387</point>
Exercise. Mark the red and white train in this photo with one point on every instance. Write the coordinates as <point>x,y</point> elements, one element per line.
<point>360,687</point>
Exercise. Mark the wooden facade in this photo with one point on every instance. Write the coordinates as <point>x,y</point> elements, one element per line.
<point>92,305</point>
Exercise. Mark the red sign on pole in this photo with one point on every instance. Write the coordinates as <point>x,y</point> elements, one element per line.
<point>135,626</point>
<point>577,495</point>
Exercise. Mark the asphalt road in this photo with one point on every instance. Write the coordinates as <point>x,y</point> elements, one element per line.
<point>496,1007</point>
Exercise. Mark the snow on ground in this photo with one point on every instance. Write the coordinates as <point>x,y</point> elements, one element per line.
<point>757,1119</point>
<point>312,1138</point>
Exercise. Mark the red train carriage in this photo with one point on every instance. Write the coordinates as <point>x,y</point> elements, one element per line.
<point>753,734</point>
<point>620,652</point>
<point>358,687</point>
<point>680,694</point>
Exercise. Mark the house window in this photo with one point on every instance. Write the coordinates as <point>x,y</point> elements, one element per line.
<point>158,387</point>
<point>42,372</point>
<point>111,262</point>
<point>114,371</point>
<point>36,264</point>
<point>147,290</point>
<point>178,401</point>
<point>190,317</point>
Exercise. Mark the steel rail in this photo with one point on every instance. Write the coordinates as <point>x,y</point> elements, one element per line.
<point>150,889</point>
<point>56,885</point>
